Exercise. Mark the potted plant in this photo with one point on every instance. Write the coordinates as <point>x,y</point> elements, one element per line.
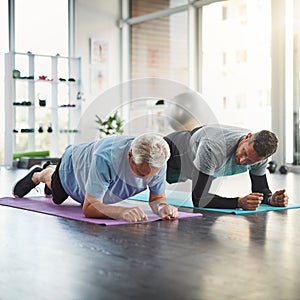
<point>111,126</point>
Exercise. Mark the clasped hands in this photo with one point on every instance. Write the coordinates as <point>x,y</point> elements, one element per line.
<point>253,200</point>
<point>136,214</point>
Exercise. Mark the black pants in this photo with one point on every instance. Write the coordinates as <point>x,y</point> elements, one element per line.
<point>174,170</point>
<point>59,195</point>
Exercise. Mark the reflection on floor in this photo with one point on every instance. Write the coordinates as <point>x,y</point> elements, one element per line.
<point>216,256</point>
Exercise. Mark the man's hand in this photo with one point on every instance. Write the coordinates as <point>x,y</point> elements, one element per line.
<point>279,198</point>
<point>251,201</point>
<point>167,211</point>
<point>160,206</point>
<point>134,214</point>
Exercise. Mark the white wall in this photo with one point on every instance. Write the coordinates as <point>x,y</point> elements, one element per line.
<point>98,19</point>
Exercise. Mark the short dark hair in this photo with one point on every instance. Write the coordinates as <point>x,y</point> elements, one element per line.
<point>265,143</point>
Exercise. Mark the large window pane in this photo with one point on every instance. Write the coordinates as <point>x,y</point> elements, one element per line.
<point>42,26</point>
<point>143,7</point>
<point>160,48</point>
<point>237,63</point>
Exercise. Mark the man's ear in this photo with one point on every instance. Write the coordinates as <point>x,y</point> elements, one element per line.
<point>129,154</point>
<point>248,136</point>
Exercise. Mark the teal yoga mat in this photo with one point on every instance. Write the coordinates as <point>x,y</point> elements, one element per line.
<point>184,199</point>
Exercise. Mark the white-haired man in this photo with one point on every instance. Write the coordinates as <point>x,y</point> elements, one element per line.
<point>107,171</point>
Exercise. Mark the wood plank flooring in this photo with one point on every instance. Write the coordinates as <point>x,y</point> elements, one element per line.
<point>215,257</point>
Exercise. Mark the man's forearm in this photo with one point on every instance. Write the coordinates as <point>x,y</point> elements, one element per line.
<point>259,184</point>
<point>156,202</point>
<point>103,211</point>
<point>215,201</point>
<point>94,208</point>
<point>201,196</point>
<point>160,206</point>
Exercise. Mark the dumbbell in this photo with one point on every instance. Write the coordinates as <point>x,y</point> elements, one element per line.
<point>283,169</point>
<point>272,165</point>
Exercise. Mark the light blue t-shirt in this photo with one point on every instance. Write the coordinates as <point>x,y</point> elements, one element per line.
<point>101,168</point>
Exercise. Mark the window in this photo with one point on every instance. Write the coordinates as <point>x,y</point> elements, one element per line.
<point>236,62</point>
<point>143,7</point>
<point>160,48</point>
<point>41,26</point>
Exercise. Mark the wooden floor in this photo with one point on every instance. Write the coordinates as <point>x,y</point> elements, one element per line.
<point>214,257</point>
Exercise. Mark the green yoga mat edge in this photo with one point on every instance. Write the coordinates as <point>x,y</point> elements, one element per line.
<point>32,154</point>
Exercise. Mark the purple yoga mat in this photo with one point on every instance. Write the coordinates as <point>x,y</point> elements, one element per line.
<point>72,210</point>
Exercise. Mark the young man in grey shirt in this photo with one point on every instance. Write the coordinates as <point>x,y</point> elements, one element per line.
<point>212,151</point>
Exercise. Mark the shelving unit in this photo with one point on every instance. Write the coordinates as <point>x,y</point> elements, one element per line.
<point>42,103</point>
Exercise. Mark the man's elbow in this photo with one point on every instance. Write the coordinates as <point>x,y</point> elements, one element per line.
<point>85,208</point>
<point>92,209</point>
<point>203,201</point>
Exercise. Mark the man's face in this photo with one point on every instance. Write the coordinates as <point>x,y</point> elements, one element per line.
<point>245,153</point>
<point>142,170</point>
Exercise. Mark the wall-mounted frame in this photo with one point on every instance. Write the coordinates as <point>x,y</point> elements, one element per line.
<point>98,65</point>
<point>98,51</point>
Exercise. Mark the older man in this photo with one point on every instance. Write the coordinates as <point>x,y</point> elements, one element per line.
<point>107,171</point>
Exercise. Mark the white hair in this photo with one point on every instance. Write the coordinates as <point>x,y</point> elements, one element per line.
<point>150,148</point>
